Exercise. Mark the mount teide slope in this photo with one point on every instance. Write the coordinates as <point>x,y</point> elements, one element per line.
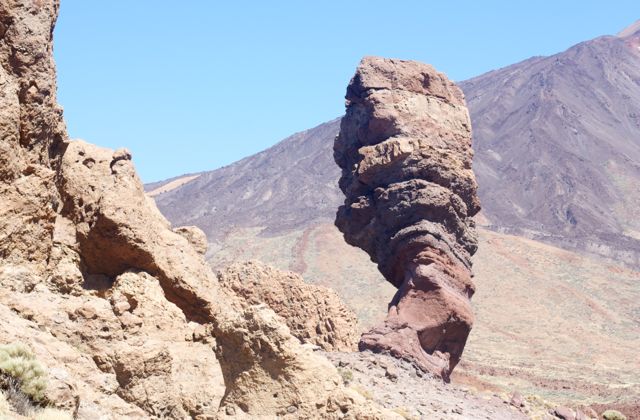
<point>557,143</point>
<point>282,188</point>
<point>557,152</point>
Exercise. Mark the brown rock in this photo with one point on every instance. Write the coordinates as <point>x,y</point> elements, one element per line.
<point>591,413</point>
<point>580,415</point>
<point>31,127</point>
<point>516,400</point>
<point>313,314</point>
<point>267,372</point>
<point>195,236</point>
<point>405,152</point>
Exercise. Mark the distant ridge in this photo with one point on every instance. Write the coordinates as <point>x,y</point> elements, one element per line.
<point>630,30</point>
<point>557,142</point>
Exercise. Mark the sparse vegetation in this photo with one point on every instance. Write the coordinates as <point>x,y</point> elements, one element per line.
<point>613,415</point>
<point>347,375</point>
<point>22,385</point>
<point>20,371</point>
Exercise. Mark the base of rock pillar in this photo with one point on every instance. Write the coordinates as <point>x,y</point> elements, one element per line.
<point>428,321</point>
<point>402,342</point>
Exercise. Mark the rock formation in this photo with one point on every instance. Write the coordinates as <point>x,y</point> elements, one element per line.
<point>123,312</point>
<point>405,152</point>
<point>258,347</point>
<point>314,314</point>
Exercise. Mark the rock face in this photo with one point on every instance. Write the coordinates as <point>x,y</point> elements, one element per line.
<point>314,314</point>
<point>123,311</point>
<point>258,348</point>
<point>31,130</point>
<point>405,152</point>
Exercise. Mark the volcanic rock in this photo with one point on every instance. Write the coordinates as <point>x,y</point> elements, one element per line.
<point>405,152</point>
<point>564,413</point>
<point>122,311</point>
<point>314,314</point>
<point>259,348</point>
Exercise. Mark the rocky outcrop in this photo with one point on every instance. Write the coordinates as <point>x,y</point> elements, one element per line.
<point>405,152</point>
<point>123,311</point>
<point>31,130</point>
<point>123,351</point>
<point>314,314</point>
<point>268,373</point>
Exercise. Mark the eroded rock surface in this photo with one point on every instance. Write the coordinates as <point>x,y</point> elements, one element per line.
<point>258,347</point>
<point>314,314</point>
<point>405,152</point>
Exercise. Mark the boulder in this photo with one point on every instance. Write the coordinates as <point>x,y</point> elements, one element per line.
<point>268,372</point>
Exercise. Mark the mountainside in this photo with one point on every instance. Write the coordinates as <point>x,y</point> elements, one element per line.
<point>282,188</point>
<point>557,143</point>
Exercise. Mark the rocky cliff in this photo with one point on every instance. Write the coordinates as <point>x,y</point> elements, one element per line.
<point>123,312</point>
<point>405,152</point>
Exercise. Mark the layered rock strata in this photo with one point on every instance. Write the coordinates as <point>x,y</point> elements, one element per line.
<point>405,152</point>
<point>123,312</point>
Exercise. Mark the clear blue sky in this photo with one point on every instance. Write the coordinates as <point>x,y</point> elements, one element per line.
<point>195,85</point>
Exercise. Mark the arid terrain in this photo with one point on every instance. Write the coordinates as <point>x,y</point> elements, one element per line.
<point>111,310</point>
<point>558,291</point>
<point>557,143</point>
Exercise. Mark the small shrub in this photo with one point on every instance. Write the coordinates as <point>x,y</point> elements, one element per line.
<point>19,402</point>
<point>20,369</point>
<point>347,375</point>
<point>4,405</point>
<point>613,415</point>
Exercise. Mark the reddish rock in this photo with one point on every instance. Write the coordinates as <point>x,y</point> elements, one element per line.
<point>405,152</point>
<point>517,400</point>
<point>564,413</point>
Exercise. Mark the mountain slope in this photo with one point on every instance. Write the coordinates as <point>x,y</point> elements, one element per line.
<point>557,143</point>
<point>281,188</point>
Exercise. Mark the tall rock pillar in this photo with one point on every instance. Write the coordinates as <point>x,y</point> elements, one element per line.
<point>405,152</point>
